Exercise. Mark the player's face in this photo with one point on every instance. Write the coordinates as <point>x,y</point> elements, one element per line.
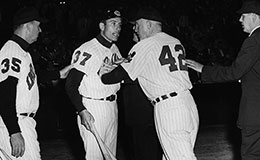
<point>111,29</point>
<point>247,20</point>
<point>141,29</point>
<point>34,30</point>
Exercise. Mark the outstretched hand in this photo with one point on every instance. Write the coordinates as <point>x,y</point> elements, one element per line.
<point>65,71</point>
<point>194,65</point>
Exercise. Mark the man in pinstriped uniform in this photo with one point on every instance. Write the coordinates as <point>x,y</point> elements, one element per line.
<point>19,89</point>
<point>158,64</point>
<point>94,101</point>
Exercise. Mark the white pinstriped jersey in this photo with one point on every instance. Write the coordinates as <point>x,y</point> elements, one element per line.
<point>88,58</point>
<point>15,62</point>
<point>158,63</point>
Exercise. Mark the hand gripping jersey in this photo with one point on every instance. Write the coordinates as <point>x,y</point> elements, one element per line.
<point>158,62</point>
<point>18,63</point>
<point>88,58</point>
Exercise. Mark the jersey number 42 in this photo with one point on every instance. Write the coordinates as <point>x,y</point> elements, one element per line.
<point>166,58</point>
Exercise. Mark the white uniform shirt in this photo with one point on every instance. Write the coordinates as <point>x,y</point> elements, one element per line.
<point>88,58</point>
<point>14,61</point>
<point>158,63</point>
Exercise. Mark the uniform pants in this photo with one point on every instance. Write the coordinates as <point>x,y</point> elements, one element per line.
<point>32,148</point>
<point>105,114</point>
<point>177,122</point>
<point>250,147</point>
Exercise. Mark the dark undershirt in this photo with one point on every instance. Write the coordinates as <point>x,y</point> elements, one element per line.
<point>75,77</point>
<point>8,91</point>
<point>8,109</point>
<point>73,81</point>
<point>115,76</point>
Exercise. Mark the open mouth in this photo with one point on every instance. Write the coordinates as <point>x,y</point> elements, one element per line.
<point>115,34</point>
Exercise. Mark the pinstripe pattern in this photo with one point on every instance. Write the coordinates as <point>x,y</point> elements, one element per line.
<point>159,67</point>
<point>91,85</point>
<point>32,148</point>
<point>104,112</point>
<point>27,98</point>
<point>177,122</point>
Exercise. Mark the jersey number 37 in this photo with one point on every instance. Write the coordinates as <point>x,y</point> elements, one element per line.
<point>166,58</point>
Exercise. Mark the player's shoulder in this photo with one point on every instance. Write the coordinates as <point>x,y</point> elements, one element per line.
<point>88,46</point>
<point>12,49</point>
<point>162,36</point>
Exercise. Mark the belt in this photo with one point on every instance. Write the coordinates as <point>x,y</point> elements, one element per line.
<point>109,98</point>
<point>27,114</point>
<point>163,97</point>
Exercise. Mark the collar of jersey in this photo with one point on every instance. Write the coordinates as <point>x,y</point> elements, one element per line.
<point>21,42</point>
<point>103,41</point>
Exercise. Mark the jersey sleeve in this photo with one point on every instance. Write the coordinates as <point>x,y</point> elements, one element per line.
<point>85,61</point>
<point>138,58</point>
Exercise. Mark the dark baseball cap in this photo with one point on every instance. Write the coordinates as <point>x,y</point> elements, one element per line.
<point>27,14</point>
<point>250,6</point>
<point>149,13</point>
<point>110,13</point>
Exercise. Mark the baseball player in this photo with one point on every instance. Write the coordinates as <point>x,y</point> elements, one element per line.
<point>19,89</point>
<point>157,63</point>
<point>94,101</point>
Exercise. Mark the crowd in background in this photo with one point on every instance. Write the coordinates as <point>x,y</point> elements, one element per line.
<point>208,29</point>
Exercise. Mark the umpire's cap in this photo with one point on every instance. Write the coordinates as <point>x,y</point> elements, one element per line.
<point>27,14</point>
<point>149,13</point>
<point>250,6</point>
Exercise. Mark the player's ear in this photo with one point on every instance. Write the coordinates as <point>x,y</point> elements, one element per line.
<point>102,26</point>
<point>149,24</point>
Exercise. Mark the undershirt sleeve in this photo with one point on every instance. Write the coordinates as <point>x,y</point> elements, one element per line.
<point>73,81</point>
<point>115,76</point>
<point>8,104</point>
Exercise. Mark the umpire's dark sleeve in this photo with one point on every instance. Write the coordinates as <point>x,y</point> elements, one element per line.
<point>115,76</point>
<point>8,104</point>
<point>73,81</point>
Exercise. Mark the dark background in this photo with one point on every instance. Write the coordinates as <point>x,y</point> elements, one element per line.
<point>208,29</point>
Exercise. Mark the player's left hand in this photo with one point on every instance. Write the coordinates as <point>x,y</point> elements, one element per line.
<point>194,65</point>
<point>65,71</point>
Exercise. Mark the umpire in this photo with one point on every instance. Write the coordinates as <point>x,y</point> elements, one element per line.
<point>246,68</point>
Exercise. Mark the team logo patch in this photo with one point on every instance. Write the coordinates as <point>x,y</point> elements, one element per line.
<point>117,13</point>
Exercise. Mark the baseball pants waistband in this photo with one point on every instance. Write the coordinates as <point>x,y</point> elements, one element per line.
<point>32,115</point>
<point>163,97</point>
<point>110,98</point>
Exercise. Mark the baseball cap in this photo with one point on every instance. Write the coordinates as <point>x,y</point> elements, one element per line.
<point>27,14</point>
<point>149,13</point>
<point>250,6</point>
<point>111,13</point>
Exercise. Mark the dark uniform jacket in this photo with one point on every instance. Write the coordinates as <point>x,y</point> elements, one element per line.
<point>246,68</point>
